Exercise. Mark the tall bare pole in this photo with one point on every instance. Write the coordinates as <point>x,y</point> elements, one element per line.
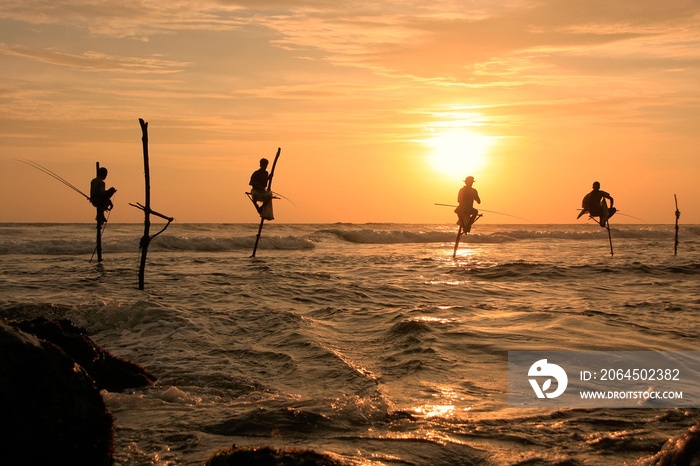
<point>98,241</point>
<point>678,215</point>
<point>147,211</point>
<point>146,238</point>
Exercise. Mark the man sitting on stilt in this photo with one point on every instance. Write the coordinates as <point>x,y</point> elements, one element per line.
<point>466,213</point>
<point>259,181</point>
<point>101,197</point>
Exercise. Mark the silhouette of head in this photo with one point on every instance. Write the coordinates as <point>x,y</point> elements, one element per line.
<point>596,185</point>
<point>264,162</point>
<point>469,180</point>
<point>102,173</point>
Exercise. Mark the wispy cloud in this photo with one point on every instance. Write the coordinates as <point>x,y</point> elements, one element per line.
<point>442,40</point>
<point>131,18</point>
<point>96,61</point>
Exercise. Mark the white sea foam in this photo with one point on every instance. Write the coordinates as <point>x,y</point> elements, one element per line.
<point>79,239</point>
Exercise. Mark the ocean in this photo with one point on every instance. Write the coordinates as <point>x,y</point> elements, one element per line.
<point>368,342</point>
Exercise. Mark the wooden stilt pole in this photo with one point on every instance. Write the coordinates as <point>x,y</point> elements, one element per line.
<point>459,235</point>
<point>146,238</point>
<point>678,215</point>
<point>257,238</point>
<point>607,227</point>
<point>98,241</point>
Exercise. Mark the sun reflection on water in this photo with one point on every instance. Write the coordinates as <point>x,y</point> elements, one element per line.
<point>445,410</point>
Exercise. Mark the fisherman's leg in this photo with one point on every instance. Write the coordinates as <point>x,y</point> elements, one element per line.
<point>473,215</point>
<point>258,198</point>
<point>468,226</point>
<point>266,198</point>
<point>261,196</point>
<point>461,221</point>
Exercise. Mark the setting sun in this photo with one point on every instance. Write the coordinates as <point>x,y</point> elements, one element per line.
<point>458,152</point>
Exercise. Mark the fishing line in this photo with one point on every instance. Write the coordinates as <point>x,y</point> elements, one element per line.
<point>53,175</point>
<point>489,211</point>
<point>624,215</point>
<point>283,197</point>
<point>630,216</point>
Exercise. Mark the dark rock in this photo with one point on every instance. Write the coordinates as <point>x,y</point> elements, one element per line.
<point>682,450</point>
<point>267,456</point>
<point>50,410</point>
<point>109,372</point>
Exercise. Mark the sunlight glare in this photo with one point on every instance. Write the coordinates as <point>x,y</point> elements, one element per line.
<point>444,411</point>
<point>458,153</point>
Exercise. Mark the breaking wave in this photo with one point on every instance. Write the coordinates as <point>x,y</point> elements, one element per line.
<point>51,240</point>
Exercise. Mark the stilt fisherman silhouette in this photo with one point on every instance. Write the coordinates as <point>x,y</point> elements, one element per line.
<point>466,213</point>
<point>101,197</point>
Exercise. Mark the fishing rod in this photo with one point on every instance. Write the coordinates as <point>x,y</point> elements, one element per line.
<point>53,175</point>
<point>484,210</point>
<point>283,197</point>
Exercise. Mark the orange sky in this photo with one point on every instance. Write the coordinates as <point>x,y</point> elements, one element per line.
<point>380,108</point>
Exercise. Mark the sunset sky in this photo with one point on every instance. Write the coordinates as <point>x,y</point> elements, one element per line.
<point>381,108</point>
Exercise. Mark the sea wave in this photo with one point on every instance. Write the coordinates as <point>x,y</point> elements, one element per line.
<point>537,271</point>
<point>373,236</point>
<point>79,239</point>
<point>214,244</point>
<point>493,234</point>
<point>162,243</point>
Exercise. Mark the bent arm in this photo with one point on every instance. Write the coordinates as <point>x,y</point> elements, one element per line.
<point>612,201</point>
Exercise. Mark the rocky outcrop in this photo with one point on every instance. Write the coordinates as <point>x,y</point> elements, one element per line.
<point>50,410</point>
<point>683,449</point>
<point>109,372</point>
<point>267,456</point>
